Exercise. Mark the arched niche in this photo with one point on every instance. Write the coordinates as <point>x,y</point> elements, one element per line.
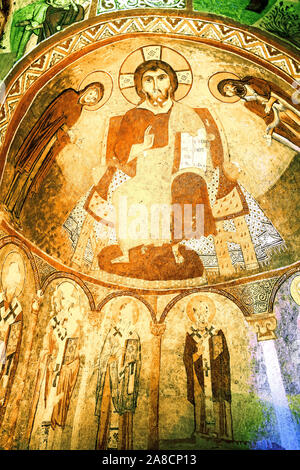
<point>19,273</point>
<point>105,319</point>
<point>176,412</point>
<point>62,298</point>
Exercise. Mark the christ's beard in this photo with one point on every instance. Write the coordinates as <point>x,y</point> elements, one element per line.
<point>158,99</point>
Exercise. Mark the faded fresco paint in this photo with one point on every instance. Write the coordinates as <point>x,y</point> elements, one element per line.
<point>149,240</point>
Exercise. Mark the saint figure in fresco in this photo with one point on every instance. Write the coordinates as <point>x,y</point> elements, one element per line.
<point>118,381</point>
<point>46,139</point>
<point>266,100</point>
<point>41,18</point>
<point>148,150</point>
<point>59,14</point>
<point>207,363</point>
<point>165,154</point>
<point>59,361</point>
<point>11,322</point>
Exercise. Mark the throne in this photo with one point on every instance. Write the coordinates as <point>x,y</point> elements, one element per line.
<point>230,203</point>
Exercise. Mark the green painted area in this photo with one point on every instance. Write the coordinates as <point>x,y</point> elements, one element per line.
<point>235,9</point>
<point>294,403</point>
<point>283,20</point>
<point>6,63</point>
<point>201,443</point>
<point>279,17</point>
<point>253,420</point>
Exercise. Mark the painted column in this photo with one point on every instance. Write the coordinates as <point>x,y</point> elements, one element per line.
<point>91,334</point>
<point>157,330</point>
<point>264,326</point>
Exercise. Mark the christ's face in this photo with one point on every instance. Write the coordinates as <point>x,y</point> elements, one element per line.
<point>156,85</point>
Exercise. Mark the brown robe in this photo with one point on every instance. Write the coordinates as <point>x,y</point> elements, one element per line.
<point>59,17</point>
<point>64,379</point>
<point>41,146</point>
<point>220,370</point>
<point>194,371</point>
<point>67,380</point>
<point>220,374</point>
<point>264,88</point>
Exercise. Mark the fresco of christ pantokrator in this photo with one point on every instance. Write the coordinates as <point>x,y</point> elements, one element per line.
<point>166,159</point>
<point>149,229</point>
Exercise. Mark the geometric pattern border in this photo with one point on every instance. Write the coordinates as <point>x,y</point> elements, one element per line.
<point>211,32</point>
<point>255,296</point>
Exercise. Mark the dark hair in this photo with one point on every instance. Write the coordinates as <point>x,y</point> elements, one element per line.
<point>97,85</point>
<point>239,86</point>
<point>154,65</point>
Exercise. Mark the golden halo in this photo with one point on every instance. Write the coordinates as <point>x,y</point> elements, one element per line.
<point>154,52</point>
<point>13,257</point>
<point>61,287</point>
<point>72,283</point>
<point>106,80</point>
<point>197,299</point>
<point>295,289</point>
<point>213,82</point>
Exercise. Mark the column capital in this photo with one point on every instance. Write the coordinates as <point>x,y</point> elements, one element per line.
<point>157,329</point>
<point>264,325</point>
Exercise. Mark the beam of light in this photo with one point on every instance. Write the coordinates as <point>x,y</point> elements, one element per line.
<point>285,421</point>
